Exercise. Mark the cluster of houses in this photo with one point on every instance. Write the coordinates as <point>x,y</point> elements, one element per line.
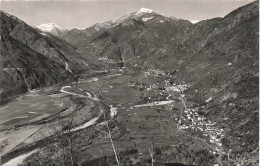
<point>106,59</point>
<point>191,120</point>
<point>190,117</point>
<point>155,72</point>
<point>175,87</point>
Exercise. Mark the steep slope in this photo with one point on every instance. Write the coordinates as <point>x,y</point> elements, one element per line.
<point>224,68</point>
<point>218,58</point>
<point>31,59</point>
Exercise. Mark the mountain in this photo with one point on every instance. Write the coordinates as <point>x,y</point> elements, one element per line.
<point>217,57</point>
<point>220,58</point>
<point>122,41</point>
<point>32,59</point>
<point>51,28</point>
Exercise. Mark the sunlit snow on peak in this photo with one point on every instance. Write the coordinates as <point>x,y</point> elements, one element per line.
<point>194,21</point>
<point>144,10</point>
<point>49,27</point>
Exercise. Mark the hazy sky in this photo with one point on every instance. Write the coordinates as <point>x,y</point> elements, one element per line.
<point>69,14</point>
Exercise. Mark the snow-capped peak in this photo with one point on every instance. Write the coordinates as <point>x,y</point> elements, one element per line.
<point>194,21</point>
<point>144,10</point>
<point>51,28</point>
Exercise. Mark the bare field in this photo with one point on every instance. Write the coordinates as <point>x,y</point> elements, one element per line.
<point>31,106</point>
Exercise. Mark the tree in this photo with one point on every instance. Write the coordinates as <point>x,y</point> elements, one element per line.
<point>151,152</point>
<point>61,150</point>
<point>108,133</point>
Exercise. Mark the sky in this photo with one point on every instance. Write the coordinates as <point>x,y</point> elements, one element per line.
<point>82,14</point>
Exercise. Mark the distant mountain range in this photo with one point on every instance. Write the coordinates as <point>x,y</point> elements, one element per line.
<point>218,57</point>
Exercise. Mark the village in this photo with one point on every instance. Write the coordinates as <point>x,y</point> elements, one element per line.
<point>207,128</point>
<point>189,117</point>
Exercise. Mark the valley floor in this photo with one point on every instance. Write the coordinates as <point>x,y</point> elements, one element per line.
<point>140,116</point>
